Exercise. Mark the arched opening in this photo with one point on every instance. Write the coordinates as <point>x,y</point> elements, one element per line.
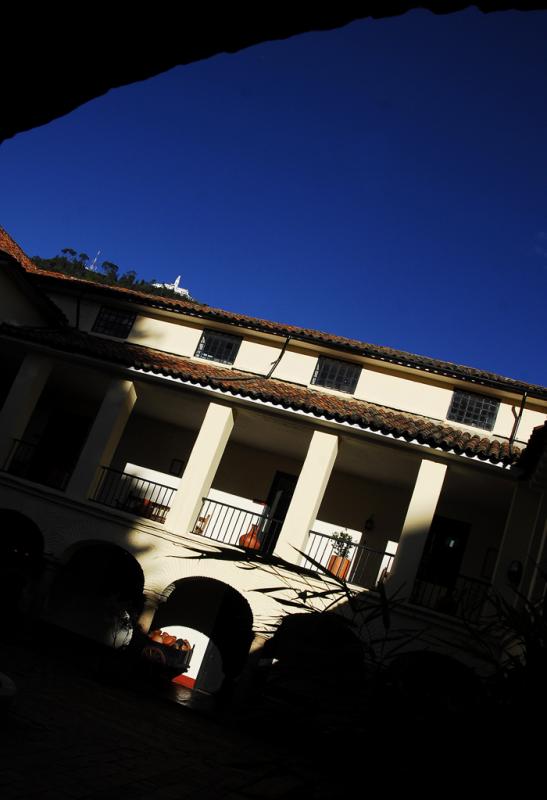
<point>217,622</point>
<point>21,560</point>
<point>98,593</point>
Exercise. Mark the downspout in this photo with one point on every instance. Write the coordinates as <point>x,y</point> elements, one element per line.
<point>517,423</point>
<point>274,365</point>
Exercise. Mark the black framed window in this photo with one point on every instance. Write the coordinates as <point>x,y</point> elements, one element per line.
<point>217,346</point>
<point>473,409</point>
<point>114,322</point>
<point>333,374</point>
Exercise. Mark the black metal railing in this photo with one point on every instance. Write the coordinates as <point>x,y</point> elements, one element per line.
<point>132,494</point>
<point>30,461</point>
<point>232,525</point>
<point>465,599</point>
<point>354,562</point>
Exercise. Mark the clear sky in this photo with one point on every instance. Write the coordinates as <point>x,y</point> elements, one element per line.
<point>386,181</point>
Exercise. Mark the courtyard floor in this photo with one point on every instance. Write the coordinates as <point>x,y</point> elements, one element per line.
<point>71,734</point>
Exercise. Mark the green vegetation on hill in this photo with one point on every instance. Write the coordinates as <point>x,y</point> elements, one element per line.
<point>69,262</point>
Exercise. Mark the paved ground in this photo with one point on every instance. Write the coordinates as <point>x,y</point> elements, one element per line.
<point>72,735</point>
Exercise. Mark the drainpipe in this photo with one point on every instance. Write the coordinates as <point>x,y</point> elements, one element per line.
<point>517,423</point>
<point>270,371</point>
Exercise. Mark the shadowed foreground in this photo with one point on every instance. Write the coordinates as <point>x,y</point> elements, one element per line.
<point>72,735</point>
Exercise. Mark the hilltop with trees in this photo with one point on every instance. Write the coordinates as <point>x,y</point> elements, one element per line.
<point>70,262</point>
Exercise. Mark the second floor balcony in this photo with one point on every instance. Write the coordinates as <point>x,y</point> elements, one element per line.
<point>126,491</point>
<point>346,559</point>
<point>39,464</point>
<point>251,529</point>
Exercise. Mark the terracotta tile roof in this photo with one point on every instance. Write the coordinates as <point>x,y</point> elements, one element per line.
<point>535,451</point>
<point>47,279</point>
<point>10,246</point>
<point>19,266</point>
<point>410,427</point>
<point>340,343</point>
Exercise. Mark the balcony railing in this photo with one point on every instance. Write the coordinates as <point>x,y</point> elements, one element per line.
<point>236,526</point>
<point>30,461</point>
<point>132,494</point>
<point>466,599</point>
<point>359,564</point>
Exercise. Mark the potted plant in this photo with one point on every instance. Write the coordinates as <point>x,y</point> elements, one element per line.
<point>339,562</point>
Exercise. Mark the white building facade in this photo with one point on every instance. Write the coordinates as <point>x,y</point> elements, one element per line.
<point>200,471</point>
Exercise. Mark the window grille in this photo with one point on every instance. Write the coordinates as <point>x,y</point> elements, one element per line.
<point>114,322</point>
<point>333,374</point>
<point>473,409</point>
<point>217,346</point>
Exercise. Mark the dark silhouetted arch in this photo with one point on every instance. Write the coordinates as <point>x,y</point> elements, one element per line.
<point>21,562</point>
<point>98,592</point>
<point>216,610</point>
<point>21,542</point>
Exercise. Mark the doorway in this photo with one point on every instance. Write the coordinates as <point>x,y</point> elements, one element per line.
<point>278,502</point>
<point>443,552</point>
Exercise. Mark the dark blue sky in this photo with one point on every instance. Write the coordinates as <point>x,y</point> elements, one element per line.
<point>386,181</point>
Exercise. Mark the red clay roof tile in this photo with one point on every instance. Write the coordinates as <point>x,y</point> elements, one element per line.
<point>410,427</point>
<point>340,343</point>
<point>388,354</point>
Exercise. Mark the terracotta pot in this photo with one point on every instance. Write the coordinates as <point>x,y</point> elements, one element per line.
<point>339,566</point>
<point>250,540</point>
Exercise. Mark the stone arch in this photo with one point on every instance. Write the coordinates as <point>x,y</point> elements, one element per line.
<point>21,560</point>
<point>217,620</point>
<point>98,592</point>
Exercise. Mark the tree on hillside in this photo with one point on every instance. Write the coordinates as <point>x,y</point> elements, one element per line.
<point>69,262</point>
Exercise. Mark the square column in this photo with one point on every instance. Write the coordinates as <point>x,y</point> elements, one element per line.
<point>201,468</point>
<point>103,438</point>
<point>419,517</point>
<point>21,401</point>
<point>515,572</point>
<point>308,495</point>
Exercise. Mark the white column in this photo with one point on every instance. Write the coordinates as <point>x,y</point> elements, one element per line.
<point>201,468</point>
<point>149,608</point>
<point>419,517</point>
<point>21,401</point>
<point>517,543</point>
<point>308,494</point>
<point>104,437</point>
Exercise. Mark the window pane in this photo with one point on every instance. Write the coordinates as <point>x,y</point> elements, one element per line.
<point>216,346</point>
<point>114,322</point>
<point>473,409</point>
<point>335,374</point>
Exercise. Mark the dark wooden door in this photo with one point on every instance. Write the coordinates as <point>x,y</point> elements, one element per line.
<point>280,494</point>
<point>278,502</point>
<point>444,551</point>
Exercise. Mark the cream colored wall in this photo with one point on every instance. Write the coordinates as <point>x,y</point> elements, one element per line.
<point>349,501</point>
<point>243,471</point>
<point>433,400</point>
<point>69,305</point>
<point>400,392</point>
<point>15,306</point>
<point>255,356</point>
<point>507,415</point>
<point>164,558</point>
<point>382,386</point>
<point>249,473</point>
<point>161,334</point>
<point>296,366</point>
<point>154,444</point>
